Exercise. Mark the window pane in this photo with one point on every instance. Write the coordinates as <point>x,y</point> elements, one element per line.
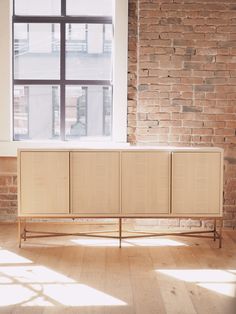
<point>36,51</point>
<point>36,7</point>
<point>88,51</point>
<point>36,112</point>
<point>90,7</point>
<point>88,111</point>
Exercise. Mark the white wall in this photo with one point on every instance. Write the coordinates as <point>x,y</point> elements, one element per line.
<point>5,71</point>
<point>120,89</point>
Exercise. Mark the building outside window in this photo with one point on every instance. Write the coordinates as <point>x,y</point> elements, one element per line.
<point>63,67</point>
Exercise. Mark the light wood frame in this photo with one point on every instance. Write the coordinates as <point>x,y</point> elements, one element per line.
<point>23,218</point>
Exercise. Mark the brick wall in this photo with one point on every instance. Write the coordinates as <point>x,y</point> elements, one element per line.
<point>182,79</point>
<point>8,189</point>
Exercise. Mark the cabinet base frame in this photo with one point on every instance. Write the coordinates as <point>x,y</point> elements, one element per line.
<point>24,233</point>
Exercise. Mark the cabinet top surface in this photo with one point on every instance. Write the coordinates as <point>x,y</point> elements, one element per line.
<point>124,147</point>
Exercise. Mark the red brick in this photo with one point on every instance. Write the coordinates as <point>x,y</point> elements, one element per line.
<point>181,27</point>
<point>225,117</point>
<point>173,138</point>
<point>225,132</point>
<point>170,109</point>
<point>204,88</point>
<point>180,51</point>
<point>207,51</point>
<point>205,29</point>
<point>201,131</point>
<point>231,124</point>
<point>5,180</point>
<point>225,88</point>
<point>224,51</point>
<point>206,139</point>
<point>216,81</point>
<point>215,66</point>
<point>192,80</point>
<point>207,43</point>
<point>183,88</point>
<point>218,139</point>
<point>228,59</point>
<point>159,116</point>
<point>13,189</point>
<point>214,124</point>
<point>182,130</point>
<point>226,29</point>
<point>222,74</point>
<point>195,21</point>
<point>205,59</point>
<point>193,123</point>
<point>231,81</point>
<point>193,65</point>
<point>230,66</point>
<point>183,42</point>
<point>147,123</point>
<point>185,138</point>
<point>231,140</point>
<point>228,43</point>
<point>188,95</point>
<point>170,123</point>
<point>179,73</point>
<point>169,80</point>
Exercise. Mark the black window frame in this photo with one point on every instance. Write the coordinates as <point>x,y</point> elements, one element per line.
<point>63,19</point>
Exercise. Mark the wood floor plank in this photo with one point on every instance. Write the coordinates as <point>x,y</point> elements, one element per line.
<point>117,261</point>
<point>175,297</point>
<point>148,296</point>
<point>140,261</point>
<point>94,260</point>
<point>120,286</point>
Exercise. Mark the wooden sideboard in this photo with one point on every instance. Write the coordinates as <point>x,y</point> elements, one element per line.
<point>130,182</point>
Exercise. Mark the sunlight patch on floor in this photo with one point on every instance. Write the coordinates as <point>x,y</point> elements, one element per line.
<point>216,280</point>
<point>80,295</point>
<point>156,242</point>
<point>38,274</point>
<point>7,257</point>
<point>38,301</point>
<point>153,242</point>
<point>39,286</point>
<point>227,289</point>
<point>14,294</point>
<point>98,242</point>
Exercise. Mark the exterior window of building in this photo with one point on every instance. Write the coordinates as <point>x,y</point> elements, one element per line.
<point>63,69</point>
<point>107,110</point>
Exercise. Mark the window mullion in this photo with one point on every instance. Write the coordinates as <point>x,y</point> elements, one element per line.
<point>13,8</point>
<point>63,7</point>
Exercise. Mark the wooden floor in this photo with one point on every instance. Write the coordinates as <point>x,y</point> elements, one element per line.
<point>146,276</point>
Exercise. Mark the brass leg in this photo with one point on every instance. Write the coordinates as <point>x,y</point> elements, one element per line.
<point>24,230</point>
<point>214,229</point>
<point>19,232</point>
<point>120,231</point>
<point>220,233</point>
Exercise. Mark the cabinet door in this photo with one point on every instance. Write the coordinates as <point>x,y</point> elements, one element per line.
<point>44,182</point>
<point>95,182</point>
<point>145,182</point>
<point>196,183</point>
